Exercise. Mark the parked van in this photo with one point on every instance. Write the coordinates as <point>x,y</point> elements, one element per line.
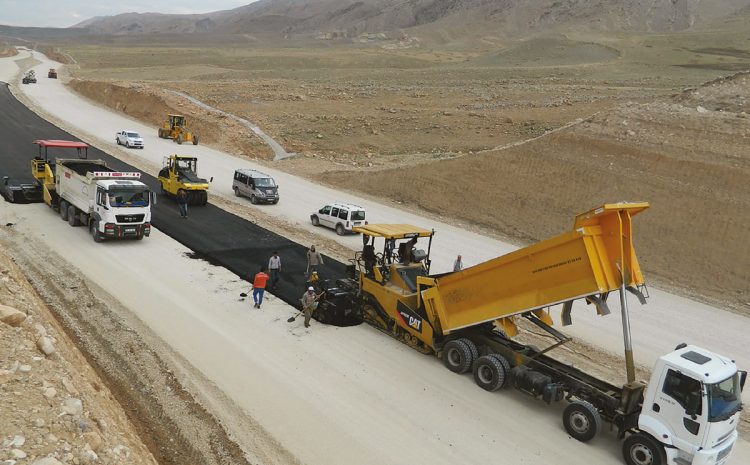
<point>259,187</point>
<point>339,216</point>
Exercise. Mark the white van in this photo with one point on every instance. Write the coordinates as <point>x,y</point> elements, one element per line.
<point>259,187</point>
<point>339,216</point>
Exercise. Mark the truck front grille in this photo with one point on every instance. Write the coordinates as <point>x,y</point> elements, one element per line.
<point>130,218</point>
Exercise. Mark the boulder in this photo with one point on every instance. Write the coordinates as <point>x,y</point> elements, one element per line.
<point>11,316</point>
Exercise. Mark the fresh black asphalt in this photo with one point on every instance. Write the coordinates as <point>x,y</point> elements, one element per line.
<point>213,234</point>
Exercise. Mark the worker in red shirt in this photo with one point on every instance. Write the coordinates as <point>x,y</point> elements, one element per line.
<point>259,286</point>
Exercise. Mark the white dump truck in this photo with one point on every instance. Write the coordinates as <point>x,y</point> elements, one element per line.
<point>113,204</point>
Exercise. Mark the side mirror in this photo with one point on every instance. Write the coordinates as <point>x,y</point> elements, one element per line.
<point>693,404</point>
<point>211,180</point>
<point>5,180</point>
<point>153,196</point>
<point>743,378</point>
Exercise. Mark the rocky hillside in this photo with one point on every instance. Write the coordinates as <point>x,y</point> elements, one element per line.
<point>348,18</point>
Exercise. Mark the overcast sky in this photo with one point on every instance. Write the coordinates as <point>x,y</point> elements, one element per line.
<point>64,13</point>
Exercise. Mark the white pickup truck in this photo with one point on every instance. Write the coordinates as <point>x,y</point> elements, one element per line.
<point>129,139</point>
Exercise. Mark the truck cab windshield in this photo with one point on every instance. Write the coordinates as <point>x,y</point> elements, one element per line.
<point>127,198</point>
<point>724,398</point>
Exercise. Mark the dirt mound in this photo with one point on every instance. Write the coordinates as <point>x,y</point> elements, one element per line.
<point>691,163</point>
<point>151,105</point>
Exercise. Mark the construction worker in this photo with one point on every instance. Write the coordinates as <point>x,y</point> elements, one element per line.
<point>309,304</point>
<point>259,286</point>
<point>274,269</point>
<point>458,265</point>
<point>182,202</point>
<point>313,260</point>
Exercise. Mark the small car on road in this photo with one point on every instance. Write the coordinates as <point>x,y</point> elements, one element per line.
<point>259,187</point>
<point>129,139</point>
<point>341,217</point>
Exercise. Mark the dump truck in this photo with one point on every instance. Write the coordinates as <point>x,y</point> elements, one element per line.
<point>112,204</point>
<point>52,73</point>
<point>180,172</point>
<point>688,412</point>
<point>175,128</point>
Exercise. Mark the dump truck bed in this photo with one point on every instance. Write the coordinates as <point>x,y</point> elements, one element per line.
<point>586,262</point>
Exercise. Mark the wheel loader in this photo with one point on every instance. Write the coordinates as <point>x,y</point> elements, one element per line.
<point>181,173</point>
<point>175,128</point>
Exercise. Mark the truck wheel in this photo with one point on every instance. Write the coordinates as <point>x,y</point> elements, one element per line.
<point>642,449</point>
<point>340,229</point>
<point>195,139</point>
<point>491,372</point>
<point>179,139</point>
<point>95,232</point>
<point>117,141</point>
<point>472,348</point>
<point>237,192</point>
<point>64,210</point>
<point>314,220</point>
<point>72,217</point>
<point>253,200</point>
<point>582,420</point>
<point>457,356</point>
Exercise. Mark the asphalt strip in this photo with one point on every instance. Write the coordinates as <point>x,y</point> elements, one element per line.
<point>214,235</point>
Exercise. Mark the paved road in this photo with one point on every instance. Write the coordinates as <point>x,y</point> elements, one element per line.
<point>213,234</point>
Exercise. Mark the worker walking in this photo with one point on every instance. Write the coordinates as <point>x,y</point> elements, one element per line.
<point>458,265</point>
<point>274,269</point>
<point>259,286</point>
<point>314,259</point>
<point>309,304</point>
<point>182,202</point>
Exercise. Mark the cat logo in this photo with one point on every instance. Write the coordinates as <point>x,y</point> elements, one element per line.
<point>411,320</point>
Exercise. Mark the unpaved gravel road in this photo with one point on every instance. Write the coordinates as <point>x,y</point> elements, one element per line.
<point>336,395</point>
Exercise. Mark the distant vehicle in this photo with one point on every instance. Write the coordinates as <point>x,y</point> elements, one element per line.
<point>129,139</point>
<point>341,217</point>
<point>259,187</point>
<point>29,77</point>
<point>52,74</point>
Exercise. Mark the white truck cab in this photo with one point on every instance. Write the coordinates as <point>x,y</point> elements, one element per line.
<point>691,410</point>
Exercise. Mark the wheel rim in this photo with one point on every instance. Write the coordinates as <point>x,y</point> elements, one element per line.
<point>579,423</point>
<point>454,357</point>
<point>485,374</point>
<point>641,454</point>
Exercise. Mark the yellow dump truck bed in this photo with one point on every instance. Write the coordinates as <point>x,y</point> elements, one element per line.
<point>581,263</point>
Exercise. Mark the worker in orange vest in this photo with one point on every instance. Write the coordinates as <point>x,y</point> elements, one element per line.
<point>259,286</point>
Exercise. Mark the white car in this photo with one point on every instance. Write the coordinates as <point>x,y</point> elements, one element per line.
<point>129,139</point>
<point>339,216</point>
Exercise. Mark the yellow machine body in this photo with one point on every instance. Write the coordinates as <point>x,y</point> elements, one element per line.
<point>586,263</point>
<point>180,172</point>
<point>175,128</point>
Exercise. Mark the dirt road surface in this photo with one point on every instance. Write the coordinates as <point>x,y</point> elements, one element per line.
<point>330,395</point>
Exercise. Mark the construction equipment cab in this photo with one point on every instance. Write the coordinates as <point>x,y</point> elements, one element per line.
<point>175,128</point>
<point>182,173</point>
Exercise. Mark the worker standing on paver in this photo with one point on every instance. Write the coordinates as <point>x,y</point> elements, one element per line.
<point>259,286</point>
<point>314,259</point>
<point>309,304</point>
<point>274,269</point>
<point>182,202</point>
<point>458,265</point>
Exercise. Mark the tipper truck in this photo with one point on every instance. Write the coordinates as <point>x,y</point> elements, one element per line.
<point>113,204</point>
<point>686,415</point>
